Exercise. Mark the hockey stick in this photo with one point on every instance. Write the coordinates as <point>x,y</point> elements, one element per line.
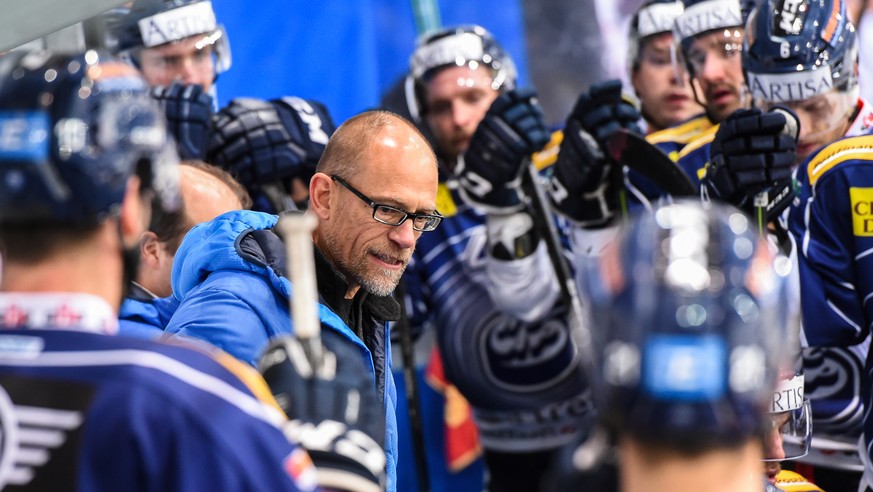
<point>25,21</point>
<point>407,352</point>
<point>427,18</point>
<point>541,213</point>
<point>297,232</point>
<point>632,150</point>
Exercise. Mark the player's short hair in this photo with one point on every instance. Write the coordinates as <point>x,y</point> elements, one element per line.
<point>171,227</point>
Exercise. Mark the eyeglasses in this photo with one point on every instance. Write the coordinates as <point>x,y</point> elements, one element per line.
<point>394,216</point>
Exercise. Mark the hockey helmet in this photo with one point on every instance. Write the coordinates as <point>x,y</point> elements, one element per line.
<point>688,320</point>
<point>705,16</point>
<point>152,23</point>
<point>469,45</point>
<point>651,18</point>
<point>73,129</point>
<point>794,51</point>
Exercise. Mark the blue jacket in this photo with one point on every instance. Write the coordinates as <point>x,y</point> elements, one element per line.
<point>233,298</point>
<point>142,316</point>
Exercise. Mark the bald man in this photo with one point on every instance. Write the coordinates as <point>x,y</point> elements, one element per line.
<point>207,192</point>
<point>373,194</point>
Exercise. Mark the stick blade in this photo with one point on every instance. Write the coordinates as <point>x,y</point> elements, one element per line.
<point>633,151</point>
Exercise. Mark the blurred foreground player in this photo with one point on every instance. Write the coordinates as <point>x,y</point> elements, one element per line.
<point>688,318</point>
<point>83,153</point>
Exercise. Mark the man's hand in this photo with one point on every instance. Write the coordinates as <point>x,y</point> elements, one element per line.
<point>580,187</point>
<point>753,152</point>
<point>189,114</point>
<point>333,409</point>
<point>490,170</point>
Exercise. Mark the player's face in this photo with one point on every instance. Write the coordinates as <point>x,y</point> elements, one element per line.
<point>773,449</point>
<point>715,60</point>
<point>823,119</point>
<point>662,84</point>
<point>457,100</point>
<point>401,172</point>
<point>188,61</point>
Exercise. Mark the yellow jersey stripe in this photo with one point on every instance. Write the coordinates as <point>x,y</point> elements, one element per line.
<point>837,152</point>
<point>682,133</point>
<point>704,138</point>
<point>245,373</point>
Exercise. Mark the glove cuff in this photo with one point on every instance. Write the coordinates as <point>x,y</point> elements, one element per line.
<point>493,198</point>
<point>588,210</point>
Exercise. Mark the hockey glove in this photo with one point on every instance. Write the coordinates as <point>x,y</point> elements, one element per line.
<point>604,109</point>
<point>580,187</point>
<point>489,172</point>
<point>334,412</point>
<point>265,142</point>
<point>753,152</point>
<point>189,112</point>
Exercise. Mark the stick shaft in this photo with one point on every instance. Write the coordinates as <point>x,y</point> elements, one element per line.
<point>297,229</point>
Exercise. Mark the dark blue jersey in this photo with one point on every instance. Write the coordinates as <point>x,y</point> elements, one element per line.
<point>92,412</point>
<point>522,378</point>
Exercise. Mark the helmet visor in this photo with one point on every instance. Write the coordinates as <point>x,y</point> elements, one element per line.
<point>790,431</point>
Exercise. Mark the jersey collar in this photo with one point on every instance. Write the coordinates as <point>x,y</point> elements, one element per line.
<point>57,311</point>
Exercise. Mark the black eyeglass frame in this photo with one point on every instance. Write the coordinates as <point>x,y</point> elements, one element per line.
<point>435,217</point>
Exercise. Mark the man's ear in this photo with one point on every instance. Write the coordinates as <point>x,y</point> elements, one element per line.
<point>320,187</point>
<point>149,248</point>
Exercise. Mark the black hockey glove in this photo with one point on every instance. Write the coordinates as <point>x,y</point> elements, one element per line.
<point>604,109</point>
<point>189,113</point>
<point>265,142</point>
<point>751,159</point>
<point>490,170</point>
<point>333,410</point>
<point>580,187</point>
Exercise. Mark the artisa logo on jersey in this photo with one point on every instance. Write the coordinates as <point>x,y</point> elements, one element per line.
<point>862,211</point>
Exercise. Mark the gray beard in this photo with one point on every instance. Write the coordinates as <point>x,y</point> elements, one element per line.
<point>380,284</point>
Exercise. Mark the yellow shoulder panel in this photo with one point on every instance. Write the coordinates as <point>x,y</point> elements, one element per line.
<point>247,374</point>
<point>790,481</point>
<point>837,152</point>
<point>682,133</point>
<point>549,154</point>
<point>704,138</point>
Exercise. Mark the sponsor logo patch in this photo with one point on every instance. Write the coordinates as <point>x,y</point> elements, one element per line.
<point>862,211</point>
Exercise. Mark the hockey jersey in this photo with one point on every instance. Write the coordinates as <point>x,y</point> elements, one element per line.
<point>83,410</point>
<point>828,223</point>
<point>521,376</point>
